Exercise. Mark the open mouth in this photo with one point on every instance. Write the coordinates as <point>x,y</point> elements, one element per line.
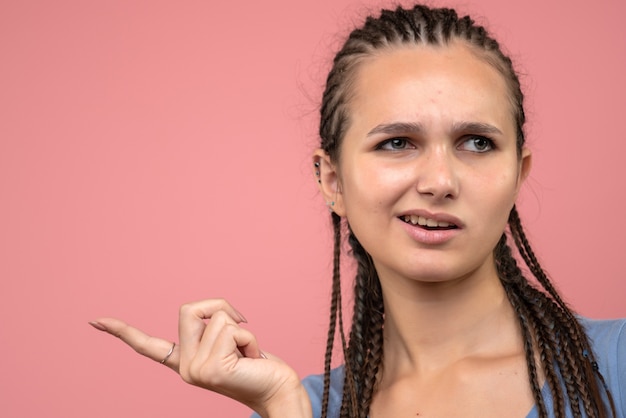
<point>427,223</point>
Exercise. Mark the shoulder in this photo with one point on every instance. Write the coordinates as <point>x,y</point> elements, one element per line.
<point>314,386</point>
<point>605,331</point>
<point>608,341</point>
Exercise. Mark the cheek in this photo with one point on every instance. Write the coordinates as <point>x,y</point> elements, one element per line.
<point>500,193</point>
<point>493,187</point>
<point>373,185</point>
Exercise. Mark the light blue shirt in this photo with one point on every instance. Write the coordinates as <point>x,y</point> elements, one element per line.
<point>608,339</point>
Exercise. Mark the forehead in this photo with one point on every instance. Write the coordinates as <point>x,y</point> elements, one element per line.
<point>435,83</point>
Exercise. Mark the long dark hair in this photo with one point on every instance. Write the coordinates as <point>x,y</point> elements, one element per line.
<point>550,330</point>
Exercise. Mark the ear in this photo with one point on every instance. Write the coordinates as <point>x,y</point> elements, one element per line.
<point>525,165</point>
<point>328,181</point>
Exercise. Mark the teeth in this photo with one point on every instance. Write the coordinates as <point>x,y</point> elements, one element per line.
<point>420,220</point>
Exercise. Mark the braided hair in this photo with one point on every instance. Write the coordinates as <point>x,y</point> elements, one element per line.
<point>550,330</point>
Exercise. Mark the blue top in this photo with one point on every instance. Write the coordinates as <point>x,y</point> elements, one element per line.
<point>608,339</point>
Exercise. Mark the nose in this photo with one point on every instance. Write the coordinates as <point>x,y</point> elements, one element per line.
<point>437,176</point>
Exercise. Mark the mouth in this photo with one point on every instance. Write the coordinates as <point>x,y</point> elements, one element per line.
<point>427,223</point>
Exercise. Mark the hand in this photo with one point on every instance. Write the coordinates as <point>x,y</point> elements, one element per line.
<point>217,354</point>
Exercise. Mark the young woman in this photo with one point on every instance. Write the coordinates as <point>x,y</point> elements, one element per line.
<point>422,157</point>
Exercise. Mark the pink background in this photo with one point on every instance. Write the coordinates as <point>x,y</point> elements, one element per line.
<point>157,152</point>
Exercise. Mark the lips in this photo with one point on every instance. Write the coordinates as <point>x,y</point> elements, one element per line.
<point>427,222</point>
<point>430,221</point>
<point>430,228</point>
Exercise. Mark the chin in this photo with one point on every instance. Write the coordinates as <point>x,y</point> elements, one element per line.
<point>444,274</point>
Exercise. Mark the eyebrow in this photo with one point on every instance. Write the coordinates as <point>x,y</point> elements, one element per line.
<point>476,128</point>
<point>397,128</point>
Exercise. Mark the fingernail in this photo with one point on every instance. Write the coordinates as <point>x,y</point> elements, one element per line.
<point>262,354</point>
<point>241,317</point>
<point>98,326</point>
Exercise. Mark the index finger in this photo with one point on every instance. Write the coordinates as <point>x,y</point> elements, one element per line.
<point>154,348</point>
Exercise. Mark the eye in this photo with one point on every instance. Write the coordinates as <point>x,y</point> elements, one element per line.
<point>395,144</point>
<point>475,143</point>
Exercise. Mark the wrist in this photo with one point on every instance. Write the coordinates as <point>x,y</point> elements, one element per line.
<point>291,403</point>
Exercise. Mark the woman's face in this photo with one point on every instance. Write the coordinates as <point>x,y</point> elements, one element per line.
<point>428,170</point>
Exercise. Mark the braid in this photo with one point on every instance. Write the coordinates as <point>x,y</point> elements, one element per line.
<point>555,343</point>
<point>511,278</point>
<point>572,341</point>
<point>365,351</point>
<point>564,348</point>
<point>335,311</point>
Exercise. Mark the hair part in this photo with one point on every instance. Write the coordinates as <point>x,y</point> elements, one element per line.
<point>550,329</point>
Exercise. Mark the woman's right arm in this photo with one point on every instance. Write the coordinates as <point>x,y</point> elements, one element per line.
<point>217,354</point>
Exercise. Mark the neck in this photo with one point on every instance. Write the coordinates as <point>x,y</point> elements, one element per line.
<point>429,326</point>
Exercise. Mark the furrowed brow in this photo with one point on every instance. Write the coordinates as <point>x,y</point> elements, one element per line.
<point>396,128</point>
<point>476,128</point>
<point>400,128</point>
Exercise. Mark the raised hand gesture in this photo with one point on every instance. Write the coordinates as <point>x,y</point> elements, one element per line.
<point>214,352</point>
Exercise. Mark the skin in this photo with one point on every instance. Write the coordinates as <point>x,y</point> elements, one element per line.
<point>467,359</point>
<point>215,353</point>
<point>438,170</point>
